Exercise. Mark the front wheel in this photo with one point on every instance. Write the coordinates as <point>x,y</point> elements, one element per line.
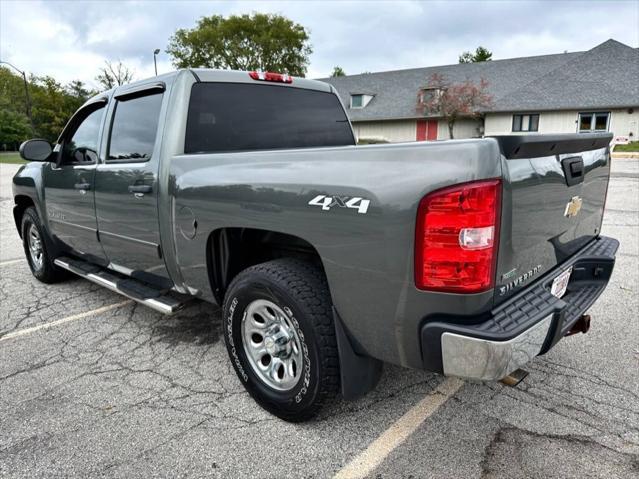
<point>280,336</point>
<point>36,249</point>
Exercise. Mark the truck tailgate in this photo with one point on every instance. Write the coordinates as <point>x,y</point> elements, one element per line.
<point>554,196</point>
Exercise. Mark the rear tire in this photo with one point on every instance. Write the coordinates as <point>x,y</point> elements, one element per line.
<point>280,336</point>
<point>37,247</point>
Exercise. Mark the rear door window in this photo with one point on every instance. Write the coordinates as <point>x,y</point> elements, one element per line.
<point>245,117</point>
<point>135,125</point>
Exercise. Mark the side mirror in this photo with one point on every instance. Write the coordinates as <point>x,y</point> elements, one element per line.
<point>36,150</point>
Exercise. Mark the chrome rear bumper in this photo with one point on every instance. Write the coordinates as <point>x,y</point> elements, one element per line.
<point>486,360</point>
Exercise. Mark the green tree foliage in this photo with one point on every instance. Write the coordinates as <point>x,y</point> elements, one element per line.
<point>338,72</point>
<point>14,129</point>
<point>259,41</point>
<point>51,104</point>
<point>481,55</point>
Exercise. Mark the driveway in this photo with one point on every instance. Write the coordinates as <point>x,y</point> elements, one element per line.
<point>92,384</point>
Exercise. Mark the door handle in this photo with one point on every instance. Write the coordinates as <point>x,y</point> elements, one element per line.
<point>573,170</point>
<point>82,186</point>
<point>140,189</point>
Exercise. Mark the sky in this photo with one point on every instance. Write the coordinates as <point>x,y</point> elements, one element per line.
<point>71,40</point>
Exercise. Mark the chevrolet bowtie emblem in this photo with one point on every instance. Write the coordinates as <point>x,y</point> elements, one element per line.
<point>573,207</point>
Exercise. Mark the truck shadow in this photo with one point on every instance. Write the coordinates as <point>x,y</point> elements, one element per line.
<point>199,324</point>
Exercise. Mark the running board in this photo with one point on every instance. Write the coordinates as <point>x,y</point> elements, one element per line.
<point>162,300</point>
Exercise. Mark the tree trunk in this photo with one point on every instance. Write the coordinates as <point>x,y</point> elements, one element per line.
<point>451,124</point>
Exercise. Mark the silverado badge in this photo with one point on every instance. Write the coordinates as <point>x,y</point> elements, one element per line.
<point>573,207</point>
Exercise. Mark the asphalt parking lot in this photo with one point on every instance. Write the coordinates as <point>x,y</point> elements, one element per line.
<point>94,385</point>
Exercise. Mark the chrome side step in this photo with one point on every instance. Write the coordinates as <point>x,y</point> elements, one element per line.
<point>162,300</point>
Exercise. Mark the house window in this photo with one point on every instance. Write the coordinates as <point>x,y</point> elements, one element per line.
<point>360,100</point>
<point>593,121</point>
<point>528,122</point>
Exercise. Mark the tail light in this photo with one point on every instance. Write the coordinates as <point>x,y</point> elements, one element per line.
<point>270,76</point>
<point>456,238</point>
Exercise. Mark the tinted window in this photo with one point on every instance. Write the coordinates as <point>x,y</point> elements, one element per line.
<point>526,122</point>
<point>516,122</point>
<point>134,127</point>
<point>593,121</point>
<point>82,147</point>
<point>534,123</point>
<point>601,121</point>
<point>235,116</point>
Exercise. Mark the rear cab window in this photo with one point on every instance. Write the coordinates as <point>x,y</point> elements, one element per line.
<point>225,117</point>
<point>134,127</point>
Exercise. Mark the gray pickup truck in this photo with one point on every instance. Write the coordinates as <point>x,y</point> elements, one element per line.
<point>246,189</point>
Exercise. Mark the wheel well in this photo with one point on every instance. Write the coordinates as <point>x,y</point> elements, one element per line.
<point>231,250</point>
<point>22,202</point>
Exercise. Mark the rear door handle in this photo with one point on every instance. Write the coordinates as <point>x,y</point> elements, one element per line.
<point>82,186</point>
<point>140,189</point>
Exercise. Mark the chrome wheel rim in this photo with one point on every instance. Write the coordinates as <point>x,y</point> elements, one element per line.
<point>272,345</point>
<point>35,246</point>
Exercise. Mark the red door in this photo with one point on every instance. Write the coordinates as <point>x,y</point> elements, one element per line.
<point>426,130</point>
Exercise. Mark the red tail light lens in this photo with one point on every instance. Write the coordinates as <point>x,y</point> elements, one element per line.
<point>270,76</point>
<point>456,238</point>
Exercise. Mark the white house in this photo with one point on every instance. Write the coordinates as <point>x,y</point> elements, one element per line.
<point>595,90</point>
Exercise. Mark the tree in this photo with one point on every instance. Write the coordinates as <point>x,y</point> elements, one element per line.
<point>338,72</point>
<point>114,75</point>
<point>259,41</point>
<point>77,89</point>
<point>52,106</point>
<point>14,129</point>
<point>481,55</point>
<point>453,101</point>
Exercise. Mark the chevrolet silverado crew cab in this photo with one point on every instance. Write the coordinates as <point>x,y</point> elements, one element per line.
<point>246,189</point>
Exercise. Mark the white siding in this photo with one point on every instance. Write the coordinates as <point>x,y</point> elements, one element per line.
<point>392,131</point>
<point>621,122</point>
<point>461,129</point>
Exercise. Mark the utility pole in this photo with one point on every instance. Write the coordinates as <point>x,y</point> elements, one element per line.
<point>26,93</point>
<point>155,62</point>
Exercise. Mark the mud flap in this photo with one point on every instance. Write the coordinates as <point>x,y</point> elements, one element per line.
<point>359,374</point>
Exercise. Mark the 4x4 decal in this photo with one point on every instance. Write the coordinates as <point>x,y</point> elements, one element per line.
<point>327,202</point>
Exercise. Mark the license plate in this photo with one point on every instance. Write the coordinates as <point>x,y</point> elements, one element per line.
<point>560,283</point>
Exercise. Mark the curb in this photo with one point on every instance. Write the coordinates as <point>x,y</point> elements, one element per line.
<point>628,155</point>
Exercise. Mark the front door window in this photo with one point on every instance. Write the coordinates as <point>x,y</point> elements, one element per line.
<point>82,147</point>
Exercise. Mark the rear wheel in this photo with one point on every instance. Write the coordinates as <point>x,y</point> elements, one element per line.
<point>36,248</point>
<point>280,336</point>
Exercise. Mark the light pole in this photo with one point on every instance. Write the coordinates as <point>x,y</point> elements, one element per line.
<point>155,63</point>
<point>26,93</point>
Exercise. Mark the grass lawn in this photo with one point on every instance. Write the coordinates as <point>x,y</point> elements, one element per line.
<point>632,146</point>
<point>11,157</point>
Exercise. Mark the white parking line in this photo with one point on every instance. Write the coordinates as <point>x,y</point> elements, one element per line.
<point>25,331</point>
<point>369,459</point>
<point>12,261</point>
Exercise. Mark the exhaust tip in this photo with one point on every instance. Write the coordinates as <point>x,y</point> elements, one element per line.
<point>514,378</point>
